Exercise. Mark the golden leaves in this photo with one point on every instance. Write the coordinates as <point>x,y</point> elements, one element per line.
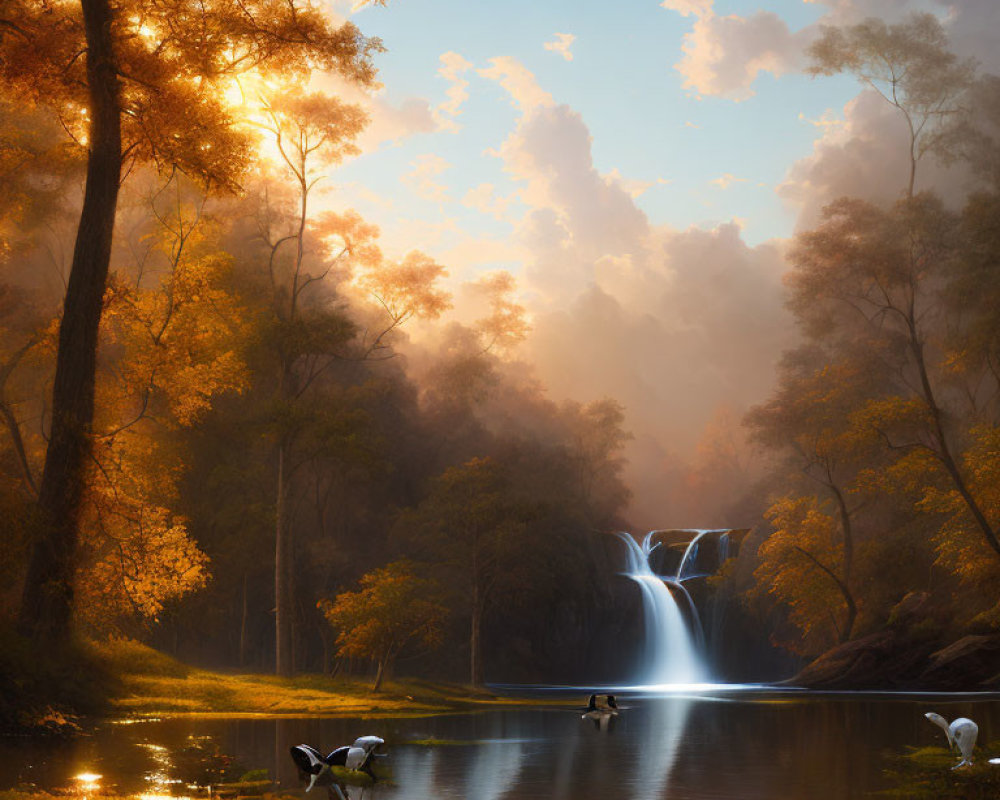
<point>805,536</point>
<point>393,608</point>
<point>408,288</point>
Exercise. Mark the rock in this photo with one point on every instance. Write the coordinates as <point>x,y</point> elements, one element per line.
<point>971,663</point>
<point>878,661</point>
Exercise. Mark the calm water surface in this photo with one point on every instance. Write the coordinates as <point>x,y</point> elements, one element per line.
<point>729,745</point>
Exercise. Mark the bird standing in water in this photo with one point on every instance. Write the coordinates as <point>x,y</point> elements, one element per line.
<point>962,734</point>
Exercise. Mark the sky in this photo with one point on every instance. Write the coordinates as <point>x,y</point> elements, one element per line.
<point>640,167</point>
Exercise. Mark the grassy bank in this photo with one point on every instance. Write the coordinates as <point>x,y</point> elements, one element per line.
<point>123,678</point>
<point>150,683</point>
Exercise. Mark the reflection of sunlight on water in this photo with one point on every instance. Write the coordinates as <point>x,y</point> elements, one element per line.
<point>495,769</point>
<point>157,796</point>
<point>418,764</point>
<point>88,781</point>
<point>658,748</point>
<point>685,688</point>
<point>159,780</point>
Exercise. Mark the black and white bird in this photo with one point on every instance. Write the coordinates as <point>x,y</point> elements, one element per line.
<point>962,734</point>
<point>357,756</point>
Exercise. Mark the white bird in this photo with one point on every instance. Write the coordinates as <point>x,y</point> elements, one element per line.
<point>358,755</point>
<point>962,734</point>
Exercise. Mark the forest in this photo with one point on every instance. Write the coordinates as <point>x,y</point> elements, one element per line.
<point>228,435</point>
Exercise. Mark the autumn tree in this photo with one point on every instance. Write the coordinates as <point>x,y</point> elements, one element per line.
<point>136,83</point>
<point>802,567</point>
<point>394,609</point>
<point>910,66</point>
<point>809,422</point>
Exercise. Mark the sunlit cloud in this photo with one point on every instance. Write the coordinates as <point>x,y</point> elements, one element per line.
<point>421,178</point>
<point>358,191</point>
<point>561,45</point>
<point>632,186</point>
<point>474,252</point>
<point>406,233</point>
<point>389,121</point>
<point>518,81</point>
<point>698,8</point>
<point>690,124</point>
<point>828,119</point>
<point>726,180</point>
<point>724,55</point>
<point>453,65</point>
<point>484,199</point>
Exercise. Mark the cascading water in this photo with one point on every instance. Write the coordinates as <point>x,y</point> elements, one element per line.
<point>671,656</point>
<point>690,554</point>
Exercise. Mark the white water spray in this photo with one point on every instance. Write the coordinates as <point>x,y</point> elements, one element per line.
<point>671,657</point>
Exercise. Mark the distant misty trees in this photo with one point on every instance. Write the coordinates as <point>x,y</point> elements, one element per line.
<point>887,414</point>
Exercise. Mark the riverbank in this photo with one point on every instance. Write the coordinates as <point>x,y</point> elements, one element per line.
<point>206,694</point>
<point>129,680</point>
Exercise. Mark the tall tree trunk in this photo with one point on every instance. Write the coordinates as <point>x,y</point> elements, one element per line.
<point>47,601</point>
<point>847,529</point>
<point>282,594</point>
<point>379,675</point>
<point>243,625</point>
<point>475,641</point>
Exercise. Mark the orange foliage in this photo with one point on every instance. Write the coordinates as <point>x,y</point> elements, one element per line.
<point>793,578</point>
<point>393,609</point>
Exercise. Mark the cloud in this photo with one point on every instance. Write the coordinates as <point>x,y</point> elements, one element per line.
<point>632,186</point>
<point>388,121</point>
<point>828,119</point>
<point>690,124</point>
<point>561,45</point>
<point>392,124</point>
<point>485,200</point>
<point>726,180</point>
<point>421,178</point>
<point>867,156</point>
<point>671,323</point>
<point>518,81</point>
<point>452,67</point>
<point>698,8</point>
<point>724,55</point>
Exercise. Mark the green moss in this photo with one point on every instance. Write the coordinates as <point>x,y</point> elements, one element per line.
<point>926,774</point>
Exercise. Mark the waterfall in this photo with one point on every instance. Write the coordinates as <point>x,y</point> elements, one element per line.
<point>690,554</point>
<point>723,549</point>
<point>670,656</point>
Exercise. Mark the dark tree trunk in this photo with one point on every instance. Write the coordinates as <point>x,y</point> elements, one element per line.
<point>379,675</point>
<point>476,672</point>
<point>851,613</point>
<point>243,625</point>
<point>47,602</point>
<point>282,589</point>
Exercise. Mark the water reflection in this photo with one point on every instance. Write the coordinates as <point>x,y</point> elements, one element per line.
<point>418,764</point>
<point>743,745</point>
<point>658,750</point>
<point>495,769</point>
